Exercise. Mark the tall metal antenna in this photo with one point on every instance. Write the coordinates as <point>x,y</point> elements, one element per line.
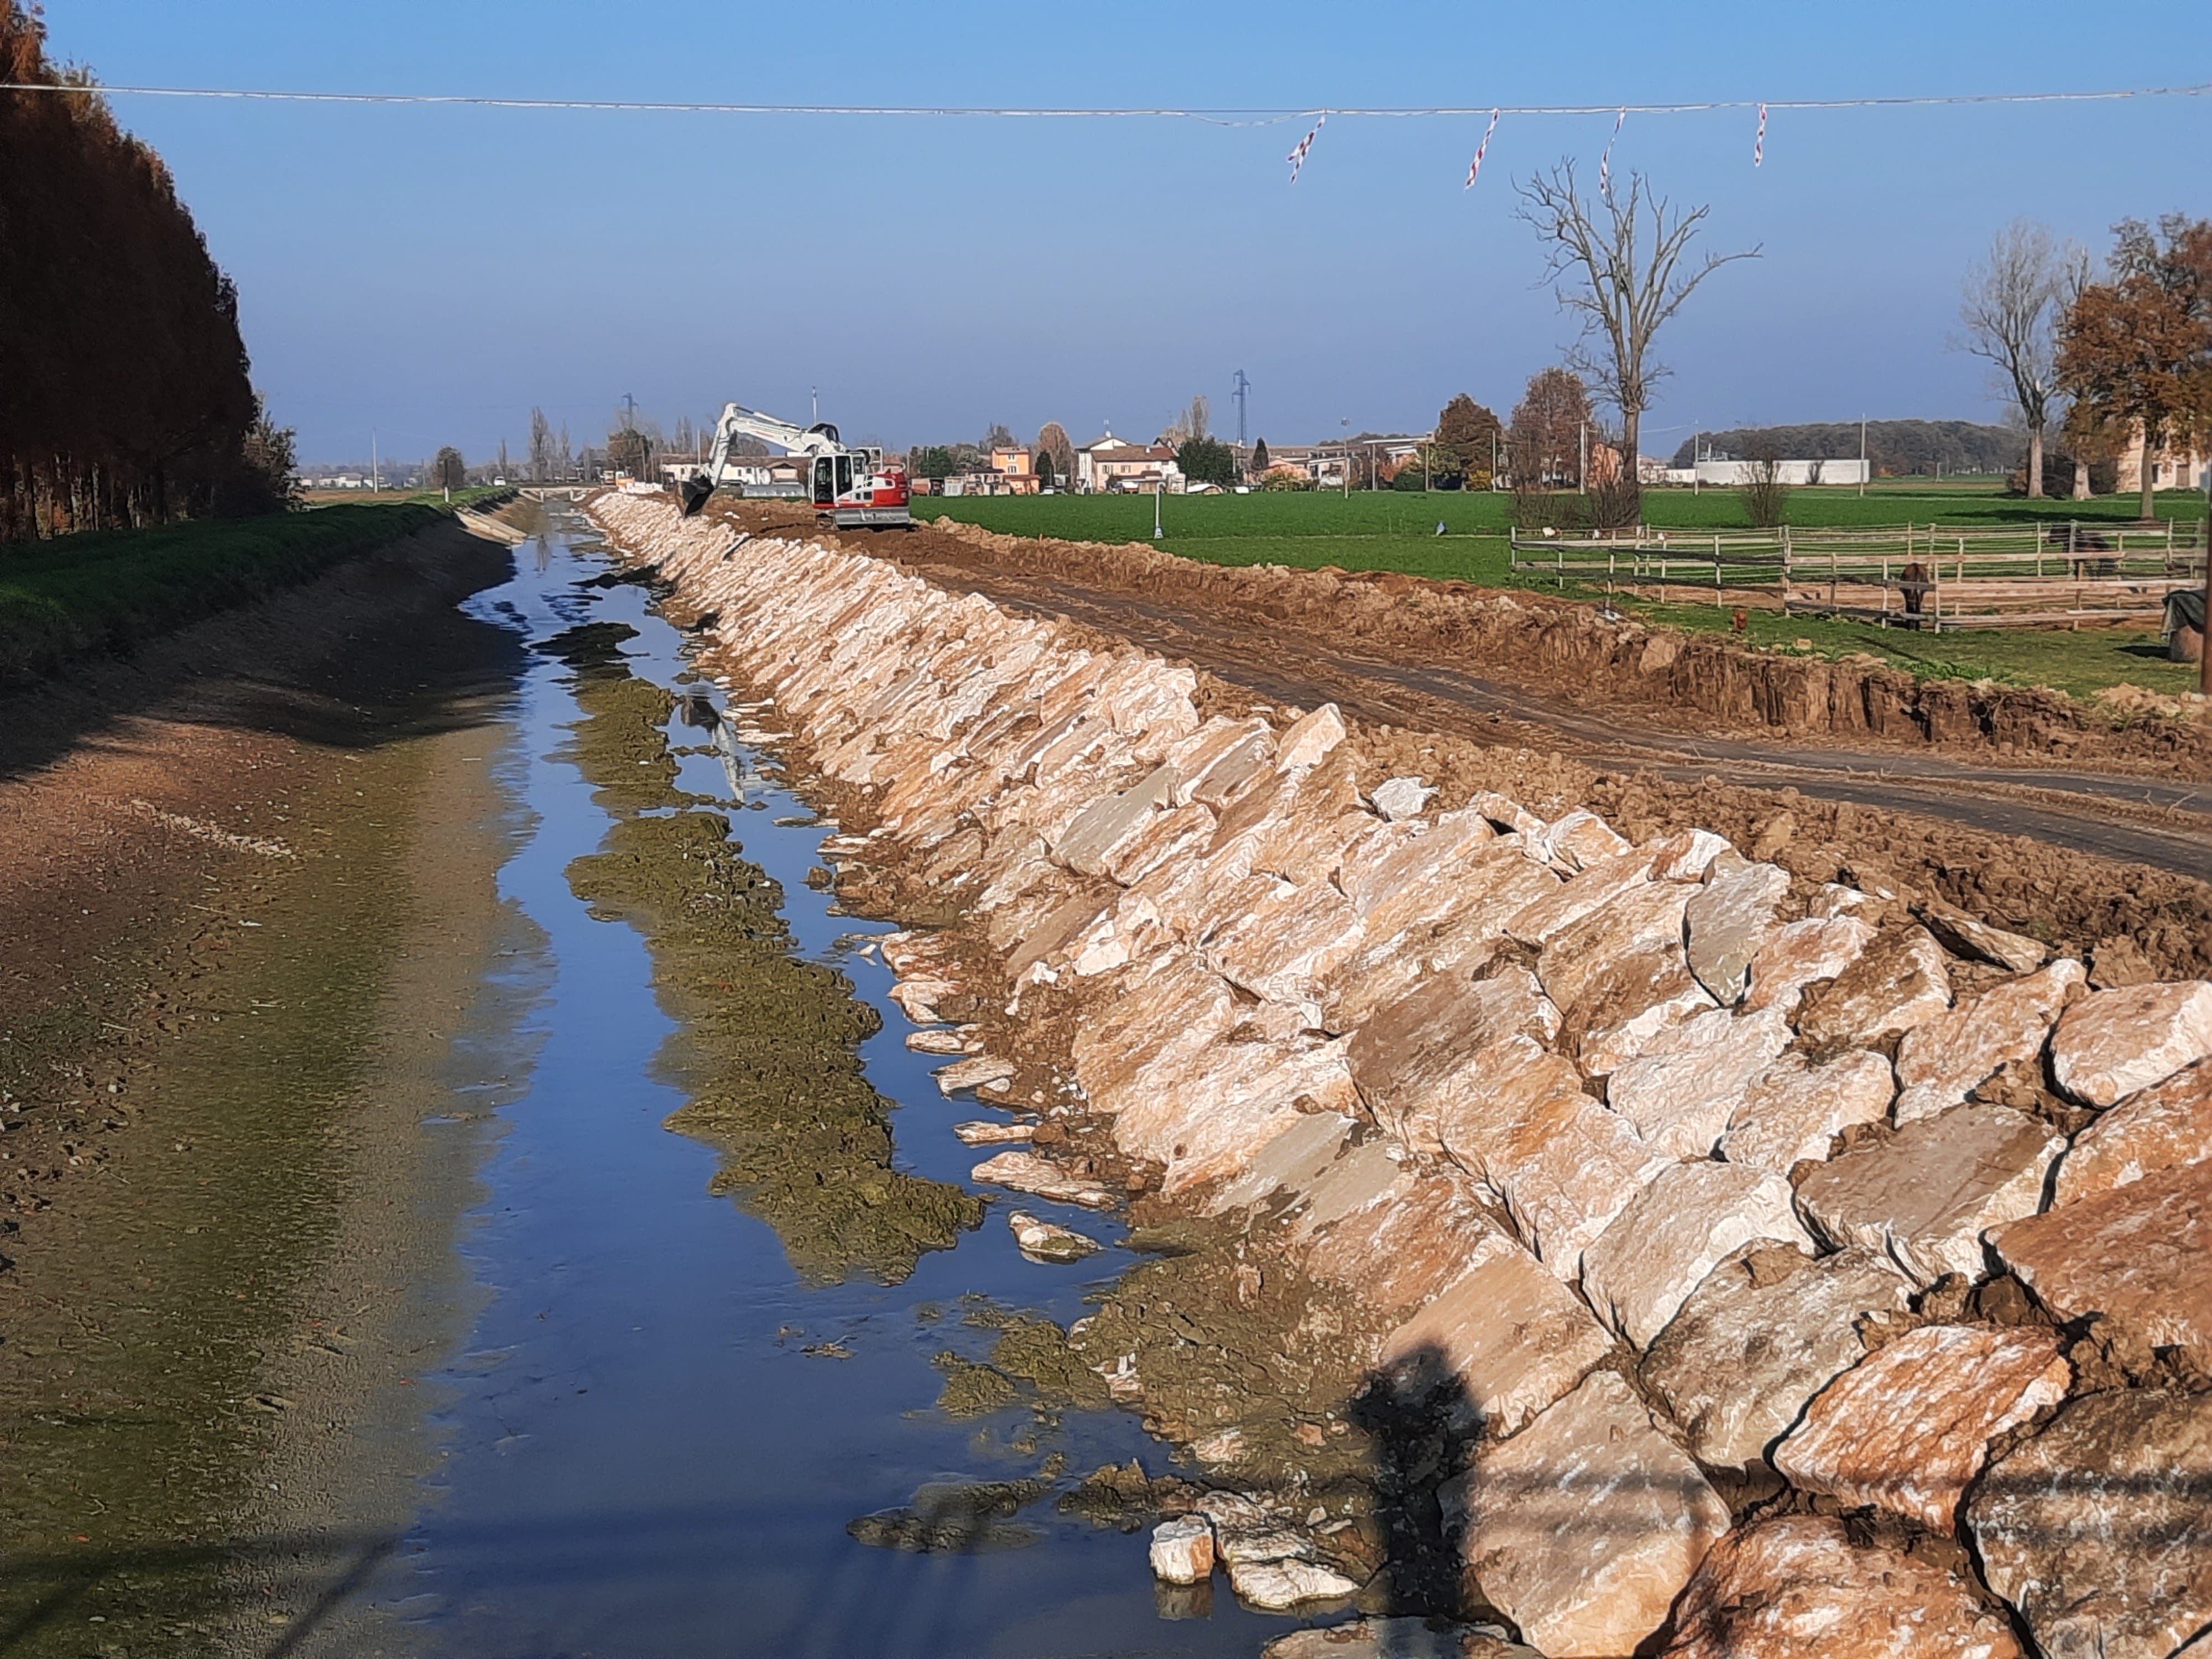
<point>1243,386</point>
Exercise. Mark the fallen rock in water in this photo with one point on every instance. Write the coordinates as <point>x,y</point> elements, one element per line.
<point>978,1072</point>
<point>1681,1090</point>
<point>1046,1241</point>
<point>1794,1109</point>
<point>918,998</point>
<point>1398,1638</point>
<point>1969,936</point>
<point>1182,1550</point>
<point>1729,921</point>
<point>1276,1585</point>
<point>2139,1258</point>
<point>1025,1172</point>
<point>1584,1527</point>
<point>1928,1192</point>
<point>1269,1566</point>
<point>984,1133</point>
<point>1513,1336</point>
<point>2098,1530</point>
<point>1679,1229</point>
<point>2114,1042</point>
<point>1768,1329</point>
<point>2160,1128</point>
<point>1901,982</point>
<point>938,1040</point>
<point>1942,1060</point>
<point>1909,1427</point>
<point>1799,1587</point>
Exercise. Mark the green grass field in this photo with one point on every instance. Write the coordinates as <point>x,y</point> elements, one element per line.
<point>108,591</point>
<point>1387,530</point>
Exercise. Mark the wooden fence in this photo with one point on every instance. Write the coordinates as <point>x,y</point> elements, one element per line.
<point>1935,577</point>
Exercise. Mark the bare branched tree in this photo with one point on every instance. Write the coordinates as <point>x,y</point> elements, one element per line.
<point>1622,263</point>
<point>2011,307</point>
<point>1198,419</point>
<point>541,446</point>
<point>1764,492</point>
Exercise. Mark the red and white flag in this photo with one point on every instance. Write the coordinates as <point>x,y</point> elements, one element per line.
<point>1299,156</point>
<point>1605,161</point>
<point>1474,167</point>
<point>1759,144</point>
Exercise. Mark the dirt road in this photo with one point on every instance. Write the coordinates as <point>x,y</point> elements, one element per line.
<point>2148,820</point>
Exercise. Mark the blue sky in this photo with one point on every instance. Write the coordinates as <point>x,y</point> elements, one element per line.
<point>433,273</point>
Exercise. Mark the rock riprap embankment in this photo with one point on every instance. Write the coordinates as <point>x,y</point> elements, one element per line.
<point>1691,1178</point>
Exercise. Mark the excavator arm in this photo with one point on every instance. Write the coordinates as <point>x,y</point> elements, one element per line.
<point>737,422</point>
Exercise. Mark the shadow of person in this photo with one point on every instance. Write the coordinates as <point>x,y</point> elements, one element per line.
<point>1424,1426</point>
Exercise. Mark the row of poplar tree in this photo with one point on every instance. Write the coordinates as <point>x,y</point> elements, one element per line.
<point>125,396</point>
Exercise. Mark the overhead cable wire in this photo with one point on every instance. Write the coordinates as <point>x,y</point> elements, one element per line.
<point>1227,116</point>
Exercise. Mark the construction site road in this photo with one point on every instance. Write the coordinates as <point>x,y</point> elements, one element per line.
<point>2162,823</point>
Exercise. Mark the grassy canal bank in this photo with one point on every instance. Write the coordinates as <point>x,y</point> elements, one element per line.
<point>113,590</point>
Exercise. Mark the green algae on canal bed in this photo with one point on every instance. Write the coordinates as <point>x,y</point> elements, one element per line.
<point>767,1045</point>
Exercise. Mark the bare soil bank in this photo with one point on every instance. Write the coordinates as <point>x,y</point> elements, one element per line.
<point>250,890</point>
<point>1976,846</point>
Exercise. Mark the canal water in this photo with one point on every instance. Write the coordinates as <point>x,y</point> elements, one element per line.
<point>682,1391</point>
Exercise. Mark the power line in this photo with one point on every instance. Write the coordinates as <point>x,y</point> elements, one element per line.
<point>1226,117</point>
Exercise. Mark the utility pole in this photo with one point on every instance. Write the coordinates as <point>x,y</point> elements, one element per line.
<point>1581,462</point>
<point>1344,466</point>
<point>372,474</point>
<point>2205,632</point>
<point>1159,481</point>
<point>1243,386</point>
<point>1862,465</point>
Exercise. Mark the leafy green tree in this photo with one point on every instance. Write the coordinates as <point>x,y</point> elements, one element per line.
<point>449,470</point>
<point>1207,460</point>
<point>934,461</point>
<point>1044,469</point>
<point>1260,456</point>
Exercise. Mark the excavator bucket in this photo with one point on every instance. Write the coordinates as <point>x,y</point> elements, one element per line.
<point>692,492</point>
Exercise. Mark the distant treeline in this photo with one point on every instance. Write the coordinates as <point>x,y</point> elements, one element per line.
<point>1894,446</point>
<point>125,396</point>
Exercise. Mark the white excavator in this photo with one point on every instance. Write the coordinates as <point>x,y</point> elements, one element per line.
<point>850,488</point>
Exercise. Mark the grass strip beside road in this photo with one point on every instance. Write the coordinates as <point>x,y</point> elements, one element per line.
<point>1387,530</point>
<point>110,591</point>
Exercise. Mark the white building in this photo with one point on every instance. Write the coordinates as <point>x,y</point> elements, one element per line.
<point>1733,475</point>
